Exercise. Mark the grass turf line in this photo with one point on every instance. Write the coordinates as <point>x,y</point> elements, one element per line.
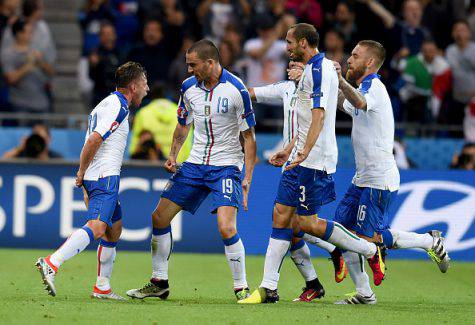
<point>201,293</point>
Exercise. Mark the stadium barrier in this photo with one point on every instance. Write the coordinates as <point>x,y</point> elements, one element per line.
<point>427,153</point>
<point>40,207</point>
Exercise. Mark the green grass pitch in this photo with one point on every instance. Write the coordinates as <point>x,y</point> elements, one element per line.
<point>414,292</point>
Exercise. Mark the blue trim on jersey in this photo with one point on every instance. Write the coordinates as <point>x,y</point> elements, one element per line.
<point>123,112</point>
<point>299,245</point>
<point>316,64</point>
<point>300,234</point>
<point>188,83</point>
<point>161,231</point>
<point>182,112</point>
<point>105,243</point>
<point>246,99</point>
<point>231,241</point>
<point>366,83</point>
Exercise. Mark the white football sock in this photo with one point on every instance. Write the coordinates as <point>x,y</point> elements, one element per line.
<point>161,248</point>
<point>274,257</point>
<point>301,258</point>
<point>75,244</point>
<point>236,256</point>
<point>319,243</point>
<point>344,239</point>
<point>105,260</point>
<point>355,265</point>
<point>404,239</point>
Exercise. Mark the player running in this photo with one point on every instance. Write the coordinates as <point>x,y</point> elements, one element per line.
<point>285,93</point>
<point>99,174</point>
<point>364,208</point>
<point>307,182</point>
<point>218,105</point>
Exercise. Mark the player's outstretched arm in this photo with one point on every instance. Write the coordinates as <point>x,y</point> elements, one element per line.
<point>250,156</point>
<point>353,95</point>
<point>179,137</point>
<point>318,116</point>
<point>87,154</point>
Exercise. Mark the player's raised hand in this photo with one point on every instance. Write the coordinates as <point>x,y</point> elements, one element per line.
<point>170,165</point>
<point>246,185</point>
<point>299,158</point>
<point>279,158</point>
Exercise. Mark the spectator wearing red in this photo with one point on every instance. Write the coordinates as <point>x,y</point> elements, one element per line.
<point>306,11</point>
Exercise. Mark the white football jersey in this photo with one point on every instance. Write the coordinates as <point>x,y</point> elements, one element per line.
<point>110,120</point>
<point>218,116</point>
<point>281,93</point>
<point>372,135</point>
<point>318,88</point>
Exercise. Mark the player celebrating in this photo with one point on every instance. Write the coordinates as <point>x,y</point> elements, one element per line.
<point>218,105</point>
<point>365,206</point>
<point>285,93</point>
<point>99,174</point>
<point>307,183</point>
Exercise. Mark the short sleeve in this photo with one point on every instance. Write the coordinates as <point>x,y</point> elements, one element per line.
<point>8,64</point>
<point>320,87</point>
<point>184,112</point>
<point>245,114</point>
<point>108,118</point>
<point>370,96</point>
<point>270,94</point>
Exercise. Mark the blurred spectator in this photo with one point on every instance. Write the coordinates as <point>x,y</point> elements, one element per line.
<point>334,49</point>
<point>153,53</point>
<point>215,15</point>
<point>91,16</point>
<point>127,23</point>
<point>407,34</point>
<point>36,145</point>
<point>103,62</point>
<point>306,11</point>
<point>267,56</point>
<point>234,38</point>
<point>469,122</point>
<point>178,70</point>
<point>8,13</point>
<point>427,79</point>
<point>466,159</point>
<point>146,148</point>
<point>226,56</point>
<point>42,40</point>
<point>26,71</point>
<point>399,150</point>
<point>461,58</point>
<point>344,23</point>
<point>160,118</point>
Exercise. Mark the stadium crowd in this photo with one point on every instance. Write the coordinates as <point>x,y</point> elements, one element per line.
<point>429,71</point>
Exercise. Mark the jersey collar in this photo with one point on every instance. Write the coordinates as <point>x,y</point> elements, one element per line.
<point>122,99</point>
<point>366,82</point>
<point>316,58</point>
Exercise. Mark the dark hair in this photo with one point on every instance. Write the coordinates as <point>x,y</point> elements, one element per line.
<point>29,7</point>
<point>18,26</point>
<point>127,73</point>
<point>461,21</point>
<point>376,49</point>
<point>306,31</point>
<point>205,49</point>
<point>34,145</point>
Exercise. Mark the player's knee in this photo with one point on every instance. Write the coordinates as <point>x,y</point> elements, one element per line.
<point>279,218</point>
<point>98,228</point>
<point>227,231</point>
